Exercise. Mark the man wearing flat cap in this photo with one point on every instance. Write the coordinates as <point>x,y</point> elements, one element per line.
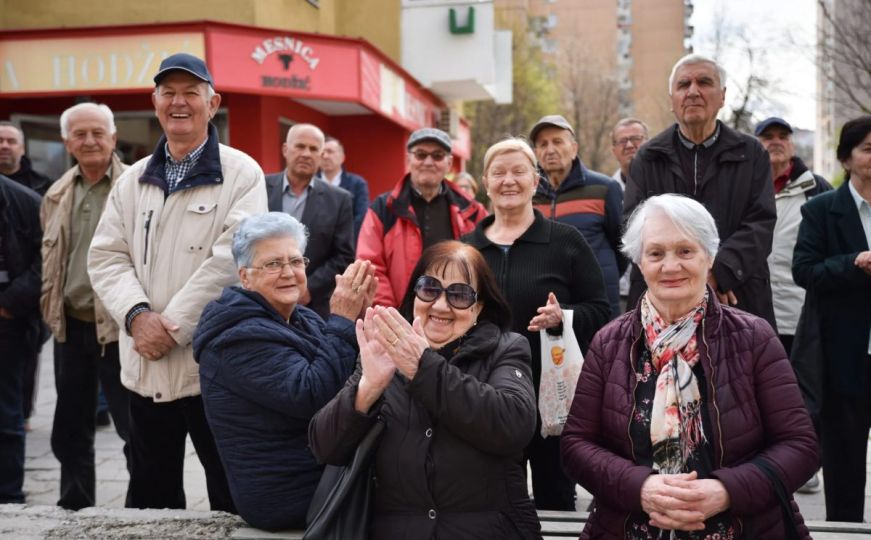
<point>422,209</point>
<point>573,194</point>
<point>160,252</point>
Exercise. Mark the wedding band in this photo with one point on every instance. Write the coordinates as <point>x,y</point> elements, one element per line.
<point>394,342</point>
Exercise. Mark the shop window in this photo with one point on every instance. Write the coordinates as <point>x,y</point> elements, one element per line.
<point>138,133</point>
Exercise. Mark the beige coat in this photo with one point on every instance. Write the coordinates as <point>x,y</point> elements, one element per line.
<point>187,247</point>
<point>55,216</point>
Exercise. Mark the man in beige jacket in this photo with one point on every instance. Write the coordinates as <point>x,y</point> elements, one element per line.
<point>160,253</point>
<point>86,337</point>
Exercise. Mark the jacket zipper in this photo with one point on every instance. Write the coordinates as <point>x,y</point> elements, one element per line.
<point>695,173</point>
<point>147,228</point>
<point>717,410</point>
<point>629,423</point>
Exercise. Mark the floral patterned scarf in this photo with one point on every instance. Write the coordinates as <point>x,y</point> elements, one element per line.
<point>676,420</point>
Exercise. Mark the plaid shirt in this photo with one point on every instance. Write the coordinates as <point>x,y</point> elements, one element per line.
<point>176,171</point>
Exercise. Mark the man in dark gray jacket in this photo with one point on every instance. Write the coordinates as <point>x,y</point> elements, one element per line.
<point>727,171</point>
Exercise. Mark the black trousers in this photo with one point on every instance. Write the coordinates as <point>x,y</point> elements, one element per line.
<point>552,489</point>
<point>157,439</point>
<point>14,351</point>
<point>80,365</point>
<point>845,424</point>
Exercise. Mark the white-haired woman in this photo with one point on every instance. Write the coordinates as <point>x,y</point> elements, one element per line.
<point>267,365</point>
<point>687,414</point>
<point>542,267</point>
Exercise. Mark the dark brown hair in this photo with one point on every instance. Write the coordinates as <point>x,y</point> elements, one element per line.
<point>470,262</point>
<point>852,135</point>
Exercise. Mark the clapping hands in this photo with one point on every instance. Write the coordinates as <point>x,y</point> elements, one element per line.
<point>387,343</point>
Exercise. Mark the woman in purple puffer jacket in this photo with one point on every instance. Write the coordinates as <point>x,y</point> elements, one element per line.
<point>687,416</point>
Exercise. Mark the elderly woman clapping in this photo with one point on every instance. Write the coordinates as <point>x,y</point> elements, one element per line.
<point>455,394</point>
<point>687,415</point>
<point>267,365</point>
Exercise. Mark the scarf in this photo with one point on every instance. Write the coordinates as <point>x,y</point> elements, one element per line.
<point>675,420</point>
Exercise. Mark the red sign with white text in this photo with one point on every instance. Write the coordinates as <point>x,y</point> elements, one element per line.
<point>269,62</point>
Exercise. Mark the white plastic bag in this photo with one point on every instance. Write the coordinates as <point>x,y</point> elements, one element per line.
<point>561,363</point>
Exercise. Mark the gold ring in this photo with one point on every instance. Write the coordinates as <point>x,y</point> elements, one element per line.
<point>394,342</point>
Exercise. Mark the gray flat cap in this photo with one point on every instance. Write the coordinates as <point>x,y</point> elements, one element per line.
<point>429,134</point>
<point>551,120</point>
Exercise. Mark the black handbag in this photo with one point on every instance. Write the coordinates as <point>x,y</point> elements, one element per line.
<point>341,506</point>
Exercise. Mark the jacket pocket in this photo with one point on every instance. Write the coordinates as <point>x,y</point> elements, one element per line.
<point>196,229</point>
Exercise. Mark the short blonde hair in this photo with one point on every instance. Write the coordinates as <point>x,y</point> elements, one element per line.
<point>513,144</point>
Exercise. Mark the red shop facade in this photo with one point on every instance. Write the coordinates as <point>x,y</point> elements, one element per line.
<point>268,79</point>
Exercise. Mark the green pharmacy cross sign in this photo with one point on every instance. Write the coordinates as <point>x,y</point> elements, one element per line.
<point>467,28</point>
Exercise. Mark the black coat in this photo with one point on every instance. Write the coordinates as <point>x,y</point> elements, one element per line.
<point>21,239</point>
<point>27,177</point>
<point>329,217</point>
<point>262,381</point>
<point>829,239</point>
<point>449,462</point>
<point>548,257</point>
<point>737,190</point>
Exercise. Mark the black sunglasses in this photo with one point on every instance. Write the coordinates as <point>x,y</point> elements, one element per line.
<point>458,295</point>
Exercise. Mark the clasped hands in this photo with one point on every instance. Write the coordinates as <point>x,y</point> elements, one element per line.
<point>387,343</point>
<point>151,335</point>
<point>682,501</point>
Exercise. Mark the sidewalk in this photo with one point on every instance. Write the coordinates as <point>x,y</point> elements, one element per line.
<point>42,471</point>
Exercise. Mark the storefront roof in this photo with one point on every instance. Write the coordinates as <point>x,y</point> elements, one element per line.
<point>334,75</point>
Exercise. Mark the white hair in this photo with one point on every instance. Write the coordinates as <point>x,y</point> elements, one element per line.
<point>81,107</point>
<point>259,227</point>
<point>688,215</point>
<point>696,58</point>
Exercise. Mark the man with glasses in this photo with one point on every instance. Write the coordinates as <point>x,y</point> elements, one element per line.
<point>587,200</point>
<point>160,253</point>
<point>626,138</point>
<point>325,210</point>
<point>421,210</point>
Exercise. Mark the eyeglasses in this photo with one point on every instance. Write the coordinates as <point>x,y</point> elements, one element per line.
<point>458,295</point>
<point>437,155</point>
<point>275,266</point>
<point>636,140</point>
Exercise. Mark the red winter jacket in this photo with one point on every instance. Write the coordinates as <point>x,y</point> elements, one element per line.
<point>756,413</point>
<point>390,236</point>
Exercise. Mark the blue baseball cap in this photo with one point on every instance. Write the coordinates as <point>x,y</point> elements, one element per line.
<point>773,121</point>
<point>184,62</point>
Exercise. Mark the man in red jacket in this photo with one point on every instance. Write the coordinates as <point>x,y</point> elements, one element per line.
<point>422,209</point>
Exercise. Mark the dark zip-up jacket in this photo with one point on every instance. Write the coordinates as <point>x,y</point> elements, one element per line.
<point>737,190</point>
<point>262,379</point>
<point>27,177</point>
<point>448,465</point>
<point>756,412</point>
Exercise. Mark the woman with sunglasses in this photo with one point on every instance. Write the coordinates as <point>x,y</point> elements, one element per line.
<point>267,364</point>
<point>543,267</point>
<point>455,394</point>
